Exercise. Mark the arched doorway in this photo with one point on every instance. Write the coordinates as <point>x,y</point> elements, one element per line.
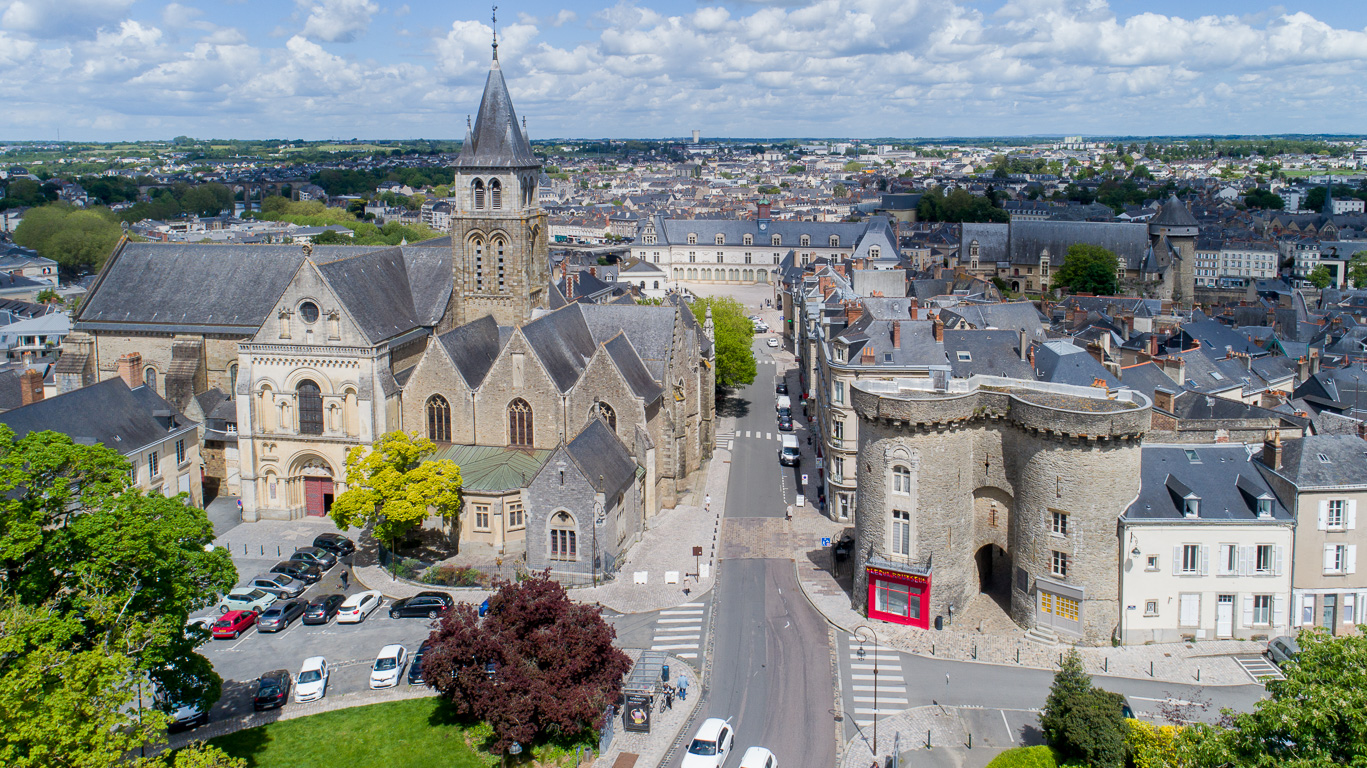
<point>311,485</point>
<point>993,571</point>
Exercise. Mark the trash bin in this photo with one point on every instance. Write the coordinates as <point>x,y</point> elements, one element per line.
<point>664,673</point>
<point>939,622</point>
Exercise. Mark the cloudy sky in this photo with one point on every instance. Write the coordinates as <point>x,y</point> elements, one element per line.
<point>319,69</point>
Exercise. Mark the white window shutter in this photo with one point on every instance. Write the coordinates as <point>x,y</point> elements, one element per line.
<point>1351,514</point>
<point>1351,561</point>
<point>1205,559</point>
<point>1176,559</point>
<point>1328,558</point>
<point>1248,610</point>
<point>1307,610</point>
<point>1297,599</point>
<point>1279,610</point>
<point>1349,609</point>
<point>1324,514</point>
<point>1244,556</point>
<point>1277,561</point>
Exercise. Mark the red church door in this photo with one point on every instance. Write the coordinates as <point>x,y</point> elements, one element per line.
<point>317,495</point>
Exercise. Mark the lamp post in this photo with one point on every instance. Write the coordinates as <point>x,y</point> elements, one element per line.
<point>860,653</point>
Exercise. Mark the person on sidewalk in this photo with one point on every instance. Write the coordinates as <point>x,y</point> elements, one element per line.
<point>683,687</point>
<point>346,577</point>
<point>707,502</point>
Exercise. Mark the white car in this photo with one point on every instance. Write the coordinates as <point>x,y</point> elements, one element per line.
<point>758,757</point>
<point>355,608</point>
<point>312,682</point>
<point>772,342</point>
<point>388,668</point>
<point>711,745</point>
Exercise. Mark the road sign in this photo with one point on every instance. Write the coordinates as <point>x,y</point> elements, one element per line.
<point>819,463</point>
<point>825,541</point>
<point>804,480</point>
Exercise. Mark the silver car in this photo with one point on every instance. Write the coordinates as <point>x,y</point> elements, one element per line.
<point>1283,649</point>
<point>277,584</point>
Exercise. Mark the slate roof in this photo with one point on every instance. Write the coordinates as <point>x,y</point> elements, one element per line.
<point>106,412</point>
<point>990,353</point>
<point>561,340</point>
<point>1216,336</point>
<point>642,384</point>
<point>492,468</point>
<point>1061,362</point>
<point>599,454</point>
<point>374,288</point>
<point>1223,476</point>
<point>1146,377</point>
<point>650,330</point>
<point>1013,315</point>
<point>1174,213</point>
<point>430,280</point>
<point>1346,465</point>
<point>473,348</point>
<point>917,349</point>
<point>992,242</point>
<point>496,140</point>
<point>1029,238</point>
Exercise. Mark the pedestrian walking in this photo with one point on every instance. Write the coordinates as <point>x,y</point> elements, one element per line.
<point>683,687</point>
<point>345,578</point>
<point>707,502</point>
<point>946,679</point>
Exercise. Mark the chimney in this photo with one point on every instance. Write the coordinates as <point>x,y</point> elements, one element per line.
<point>1314,360</point>
<point>1272,450</point>
<point>593,271</point>
<point>130,369</point>
<point>1127,328</point>
<point>570,281</point>
<point>30,386</point>
<point>1153,345</point>
<point>1176,369</point>
<point>1163,399</point>
<point>915,310</point>
<point>1069,315</point>
<point>896,334</point>
<point>1025,344</point>
<point>853,311</point>
<point>867,357</point>
<point>937,326</point>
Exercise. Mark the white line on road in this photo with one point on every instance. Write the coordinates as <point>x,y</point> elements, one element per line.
<point>872,711</point>
<point>674,638</point>
<point>883,699</point>
<point>687,655</point>
<point>1179,702</point>
<point>881,688</point>
<point>677,621</point>
<point>672,647</point>
<point>691,605</point>
<point>1009,734</point>
<point>697,612</point>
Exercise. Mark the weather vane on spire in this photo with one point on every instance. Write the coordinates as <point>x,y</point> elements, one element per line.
<point>494,17</point>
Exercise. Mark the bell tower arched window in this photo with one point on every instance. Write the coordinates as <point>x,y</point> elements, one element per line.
<point>519,424</point>
<point>495,194</point>
<point>496,247</point>
<point>310,408</point>
<point>438,419</point>
<point>479,194</point>
<point>604,411</point>
<point>477,252</point>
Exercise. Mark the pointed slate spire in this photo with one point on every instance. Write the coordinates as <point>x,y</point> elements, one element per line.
<point>495,140</point>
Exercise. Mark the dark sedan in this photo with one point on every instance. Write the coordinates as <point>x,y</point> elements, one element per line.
<point>279,615</point>
<point>335,543</point>
<point>322,609</point>
<point>785,423</point>
<point>298,569</point>
<point>428,604</point>
<point>272,690</point>
<point>415,666</point>
<point>781,388</point>
<point>315,556</point>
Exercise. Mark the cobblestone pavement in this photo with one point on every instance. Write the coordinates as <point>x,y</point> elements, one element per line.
<point>650,748</point>
<point>908,730</point>
<point>1209,662</point>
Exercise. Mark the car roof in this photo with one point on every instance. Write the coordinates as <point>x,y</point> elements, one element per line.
<point>390,650</point>
<point>234,614</point>
<point>754,757</point>
<point>312,662</point>
<point>356,598</point>
<point>275,673</point>
<point>432,594</point>
<point>243,590</point>
<point>710,728</point>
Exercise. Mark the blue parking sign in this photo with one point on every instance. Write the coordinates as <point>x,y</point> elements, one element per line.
<point>825,541</point>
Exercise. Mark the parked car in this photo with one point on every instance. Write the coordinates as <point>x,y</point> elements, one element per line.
<point>772,342</point>
<point>428,604</point>
<point>277,584</point>
<point>279,616</point>
<point>272,690</point>
<point>415,666</point>
<point>299,570</point>
<point>233,623</point>
<point>322,608</point>
<point>1282,649</point>
<point>183,716</point>
<point>358,606</point>
<point>388,668</point>
<point>246,599</point>
<point>197,624</point>
<point>781,388</point>
<point>711,745</point>
<point>315,556</point>
<point>758,757</point>
<point>785,423</point>
<point>335,543</point>
<point>312,683</point>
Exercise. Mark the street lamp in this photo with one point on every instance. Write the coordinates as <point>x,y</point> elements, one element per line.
<point>860,653</point>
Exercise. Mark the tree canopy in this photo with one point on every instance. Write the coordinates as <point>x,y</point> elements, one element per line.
<point>734,336</point>
<point>396,485</point>
<point>959,205</point>
<point>1320,277</point>
<point>1088,268</point>
<point>99,580</point>
<point>554,671</point>
<point>1357,269</point>
<point>1081,721</point>
<point>1262,198</point>
<point>77,239</point>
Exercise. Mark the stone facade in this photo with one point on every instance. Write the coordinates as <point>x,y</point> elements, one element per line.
<point>990,461</point>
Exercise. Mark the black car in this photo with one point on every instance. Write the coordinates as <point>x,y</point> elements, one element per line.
<point>415,666</point>
<point>781,388</point>
<point>272,690</point>
<point>427,604</point>
<point>315,556</point>
<point>279,615</point>
<point>298,569</point>
<point>785,423</point>
<point>335,543</point>
<point>323,608</point>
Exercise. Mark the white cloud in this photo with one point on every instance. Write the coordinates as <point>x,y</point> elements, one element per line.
<point>338,21</point>
<point>61,18</point>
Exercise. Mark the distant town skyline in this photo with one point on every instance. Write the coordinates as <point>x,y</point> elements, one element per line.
<point>113,70</point>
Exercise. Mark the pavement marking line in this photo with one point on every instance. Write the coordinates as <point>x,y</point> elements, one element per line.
<point>691,605</point>
<point>677,621</point>
<point>697,612</point>
<point>1009,734</point>
<point>674,638</point>
<point>872,711</point>
<point>881,688</point>
<point>673,647</point>
<point>883,699</point>
<point>1179,702</point>
<point>687,655</point>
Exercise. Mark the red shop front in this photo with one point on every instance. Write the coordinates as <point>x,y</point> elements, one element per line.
<point>901,598</point>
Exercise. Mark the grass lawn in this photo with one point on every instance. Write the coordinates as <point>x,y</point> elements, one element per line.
<point>413,733</point>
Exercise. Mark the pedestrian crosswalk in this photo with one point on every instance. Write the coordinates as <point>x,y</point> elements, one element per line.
<point>1259,668</point>
<point>679,630</point>
<point>877,685</point>
<point>758,435</point>
<point>724,439</point>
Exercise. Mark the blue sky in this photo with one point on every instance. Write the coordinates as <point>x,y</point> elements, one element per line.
<point>318,69</point>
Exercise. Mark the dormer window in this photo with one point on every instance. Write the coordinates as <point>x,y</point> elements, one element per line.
<point>721,239</point>
<point>692,238</point>
<point>1191,507</point>
<point>1264,507</point>
<point>874,251</point>
<point>747,240</point>
<point>840,354</point>
<point>835,241</point>
<point>805,241</point>
<point>776,240</point>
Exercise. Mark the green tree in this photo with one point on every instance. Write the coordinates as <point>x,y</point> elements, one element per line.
<point>1320,277</point>
<point>23,193</point>
<point>1088,268</point>
<point>1081,721</point>
<point>1357,269</point>
<point>331,237</point>
<point>76,239</point>
<point>396,485</point>
<point>841,191</point>
<point>1261,198</point>
<point>49,296</point>
<point>1316,717</point>
<point>734,335</point>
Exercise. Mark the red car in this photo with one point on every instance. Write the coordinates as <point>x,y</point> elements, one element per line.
<point>233,623</point>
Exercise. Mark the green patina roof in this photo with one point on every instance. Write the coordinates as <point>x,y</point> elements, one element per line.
<point>491,468</point>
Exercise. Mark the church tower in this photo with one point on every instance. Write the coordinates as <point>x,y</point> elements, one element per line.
<point>1175,224</point>
<point>498,232</point>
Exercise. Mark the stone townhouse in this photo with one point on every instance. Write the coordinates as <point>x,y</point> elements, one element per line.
<point>1322,479</point>
<point>1205,548</point>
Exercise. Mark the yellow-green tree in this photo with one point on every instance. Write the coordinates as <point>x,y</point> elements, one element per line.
<point>395,486</point>
<point>1153,746</point>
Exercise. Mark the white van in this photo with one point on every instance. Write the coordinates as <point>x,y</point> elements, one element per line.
<point>788,453</point>
<point>784,402</point>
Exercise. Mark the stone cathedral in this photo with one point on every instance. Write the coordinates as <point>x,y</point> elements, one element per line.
<point>572,423</point>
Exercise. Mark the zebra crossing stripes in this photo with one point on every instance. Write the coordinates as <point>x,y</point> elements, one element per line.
<point>889,683</point>
<point>679,630</point>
